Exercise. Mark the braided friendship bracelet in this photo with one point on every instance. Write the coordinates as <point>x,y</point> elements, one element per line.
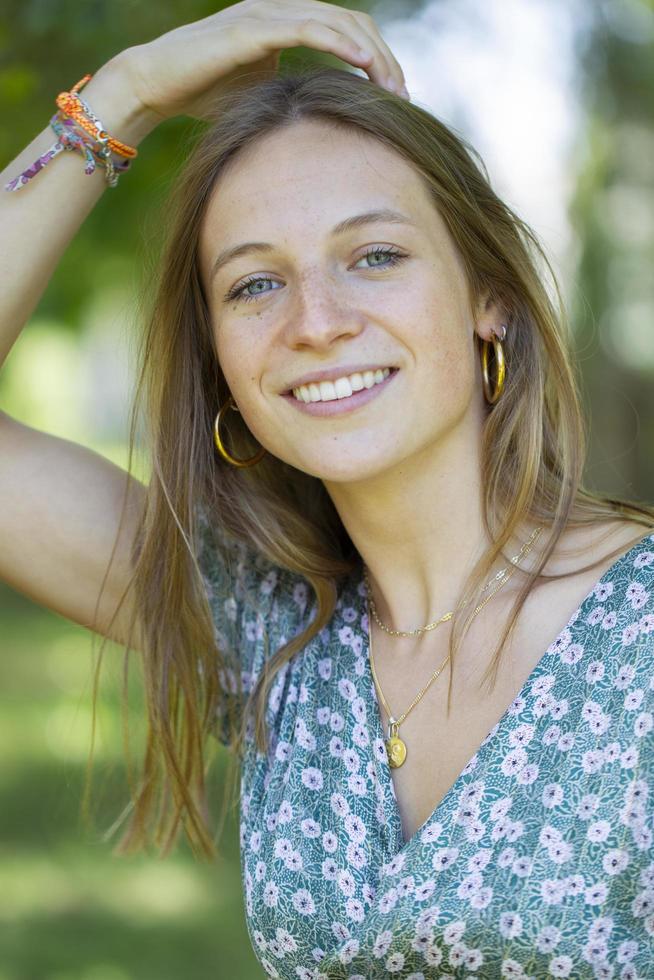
<point>78,129</point>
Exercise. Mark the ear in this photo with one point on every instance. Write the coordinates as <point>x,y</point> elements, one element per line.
<point>491,319</point>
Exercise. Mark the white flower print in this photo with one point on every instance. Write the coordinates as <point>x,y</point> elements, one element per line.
<point>322,714</point>
<point>395,962</point>
<point>341,931</point>
<point>357,784</point>
<point>548,939</point>
<point>643,559</point>
<point>360,736</point>
<point>285,812</point>
<point>312,778</point>
<point>596,616</point>
<point>471,883</point>
<point>359,710</point>
<point>354,827</point>
<point>558,709</point>
<point>406,886</point>
<point>270,894</point>
<point>304,737</point>
<point>388,900</point>
<point>633,699</point>
<point>594,671</point>
<point>603,590</point>
<point>630,634</point>
<point>625,676</point>
<point>513,762</point>
<point>560,643</point>
<point>552,795</point>
<point>598,831</point>
<point>339,804</point>
<point>646,623</point>
<point>356,855</point>
<point>347,689</point>
<point>346,882</point>
<point>329,869</point>
<point>566,742</point>
<point>560,966</point>
<point>337,721</point>
<point>355,910</point>
<point>560,853</point>
<point>425,890</point>
<point>272,972</point>
<point>346,636</point>
<point>433,957</point>
<point>351,760</point>
<point>506,857</point>
<point>444,857</point>
<point>553,890</point>
<point>572,654</point>
<point>303,902</point>
<point>329,841</point>
<point>643,904</point>
<point>521,866</point>
<point>382,943</point>
<point>293,861</point>
<point>431,832</point>
<point>349,951</point>
<point>310,828</point>
<point>595,893</point>
<point>427,920</point>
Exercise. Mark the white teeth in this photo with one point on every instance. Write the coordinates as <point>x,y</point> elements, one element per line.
<point>327,391</point>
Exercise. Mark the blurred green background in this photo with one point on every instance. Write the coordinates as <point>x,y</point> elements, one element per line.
<point>68,909</point>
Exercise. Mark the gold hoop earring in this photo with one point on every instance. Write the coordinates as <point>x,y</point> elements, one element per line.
<point>492,396</point>
<point>230,403</point>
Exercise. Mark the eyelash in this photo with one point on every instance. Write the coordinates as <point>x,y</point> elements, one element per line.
<point>238,292</point>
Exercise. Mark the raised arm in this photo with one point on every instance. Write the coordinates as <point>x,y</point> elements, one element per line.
<point>60,503</point>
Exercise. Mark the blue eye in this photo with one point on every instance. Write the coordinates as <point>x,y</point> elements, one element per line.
<point>239,291</point>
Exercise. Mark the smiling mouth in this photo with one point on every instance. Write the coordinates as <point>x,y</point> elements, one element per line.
<point>346,404</point>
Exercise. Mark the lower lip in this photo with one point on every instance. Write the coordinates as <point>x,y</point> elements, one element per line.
<point>339,406</point>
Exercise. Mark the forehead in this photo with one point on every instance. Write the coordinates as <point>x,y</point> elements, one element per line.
<point>303,178</point>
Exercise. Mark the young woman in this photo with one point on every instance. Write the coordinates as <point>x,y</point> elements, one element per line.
<point>367,456</point>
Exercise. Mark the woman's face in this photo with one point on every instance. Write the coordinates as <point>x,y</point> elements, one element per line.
<point>314,301</point>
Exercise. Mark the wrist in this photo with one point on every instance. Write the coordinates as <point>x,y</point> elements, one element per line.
<point>111,95</point>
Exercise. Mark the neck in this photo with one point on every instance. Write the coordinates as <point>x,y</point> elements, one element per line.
<point>419,530</point>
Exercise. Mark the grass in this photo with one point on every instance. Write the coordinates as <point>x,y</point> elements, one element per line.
<point>70,910</point>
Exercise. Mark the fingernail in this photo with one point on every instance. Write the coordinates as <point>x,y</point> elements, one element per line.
<point>405,93</point>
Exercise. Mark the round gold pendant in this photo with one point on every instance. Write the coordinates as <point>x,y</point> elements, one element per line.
<point>395,750</point>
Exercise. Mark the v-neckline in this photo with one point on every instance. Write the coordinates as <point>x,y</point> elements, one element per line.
<point>398,845</point>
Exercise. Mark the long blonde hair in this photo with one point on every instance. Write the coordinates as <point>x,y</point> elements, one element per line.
<point>533,449</point>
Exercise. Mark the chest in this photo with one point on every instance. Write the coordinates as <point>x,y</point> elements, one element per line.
<point>440,742</point>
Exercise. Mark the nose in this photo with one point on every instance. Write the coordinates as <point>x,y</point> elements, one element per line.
<point>322,316</point>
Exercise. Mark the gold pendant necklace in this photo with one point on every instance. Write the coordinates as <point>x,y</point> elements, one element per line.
<point>396,749</point>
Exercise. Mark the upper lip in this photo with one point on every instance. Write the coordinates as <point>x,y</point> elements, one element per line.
<point>332,374</point>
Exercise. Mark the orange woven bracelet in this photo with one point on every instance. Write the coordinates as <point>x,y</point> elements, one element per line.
<point>71,105</point>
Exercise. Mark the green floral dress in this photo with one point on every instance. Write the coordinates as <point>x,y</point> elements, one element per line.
<point>539,860</point>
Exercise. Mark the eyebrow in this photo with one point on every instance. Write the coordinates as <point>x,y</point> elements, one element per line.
<point>348,224</point>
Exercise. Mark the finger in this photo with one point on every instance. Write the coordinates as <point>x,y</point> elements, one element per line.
<point>382,67</point>
<point>313,33</point>
<point>394,69</point>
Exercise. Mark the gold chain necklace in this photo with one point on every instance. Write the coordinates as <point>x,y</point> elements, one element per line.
<point>395,747</point>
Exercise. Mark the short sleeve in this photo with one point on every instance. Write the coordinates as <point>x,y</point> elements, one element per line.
<point>242,588</point>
